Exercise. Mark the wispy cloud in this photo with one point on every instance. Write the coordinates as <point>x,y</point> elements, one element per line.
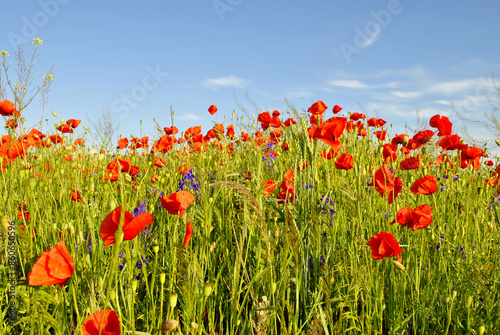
<point>456,86</point>
<point>348,83</point>
<point>406,95</point>
<point>232,81</point>
<point>187,117</point>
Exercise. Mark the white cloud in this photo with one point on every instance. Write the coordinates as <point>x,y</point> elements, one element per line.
<point>187,117</point>
<point>406,95</point>
<point>454,86</point>
<point>231,80</point>
<point>348,83</point>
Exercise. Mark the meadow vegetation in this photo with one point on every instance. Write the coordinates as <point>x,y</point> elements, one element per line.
<point>315,222</point>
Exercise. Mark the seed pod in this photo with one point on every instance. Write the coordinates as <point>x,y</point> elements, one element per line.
<point>169,325</point>
<point>172,300</point>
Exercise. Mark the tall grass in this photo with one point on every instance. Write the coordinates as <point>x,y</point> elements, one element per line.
<point>255,265</point>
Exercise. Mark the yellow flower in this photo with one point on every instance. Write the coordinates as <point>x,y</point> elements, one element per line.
<point>5,53</point>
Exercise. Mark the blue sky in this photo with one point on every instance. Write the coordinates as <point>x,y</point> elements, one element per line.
<point>136,59</point>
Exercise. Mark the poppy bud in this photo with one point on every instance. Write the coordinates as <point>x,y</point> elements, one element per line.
<point>162,278</point>
<point>112,294</point>
<point>133,284</point>
<point>128,177</point>
<point>207,290</point>
<point>453,294</point>
<point>5,223</point>
<point>32,182</point>
<point>101,157</point>
<point>398,265</point>
<point>172,300</point>
<point>54,113</point>
<point>273,287</point>
<point>469,301</point>
<point>112,203</point>
<point>169,325</point>
<point>22,174</point>
<point>481,330</point>
<point>156,248</point>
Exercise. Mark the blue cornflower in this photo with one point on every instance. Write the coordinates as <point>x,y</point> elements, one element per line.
<point>141,209</point>
<point>139,262</point>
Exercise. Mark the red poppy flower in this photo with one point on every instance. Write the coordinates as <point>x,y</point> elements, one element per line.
<point>385,184</point>
<point>383,245</point>
<point>332,152</point>
<point>189,233</point>
<point>425,185</point>
<point>73,123</point>
<point>400,139</point>
<point>170,130</point>
<point>442,123</point>
<point>12,124</point>
<point>344,162</point>
<point>389,152</point>
<point>289,122</point>
<point>330,130</point>
<point>451,142</point>
<point>176,203</point>
<point>159,162</point>
<point>230,131</point>
<point>212,109</point>
<point>76,196</point>
<point>65,129</point>
<point>356,116</point>
<point>7,108</point>
<point>410,163</point>
<point>131,225</point>
<point>269,187</point>
<point>415,219</point>
<point>336,109</point>
<point>374,122</point>
<point>317,108</point>
<point>381,134</point>
<point>471,155</point>
<point>183,169</point>
<point>54,266</point>
<point>122,143</point>
<point>102,323</point>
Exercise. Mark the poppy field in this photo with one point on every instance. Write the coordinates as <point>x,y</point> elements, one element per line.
<point>320,221</point>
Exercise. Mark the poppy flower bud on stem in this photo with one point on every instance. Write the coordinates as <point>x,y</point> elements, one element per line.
<point>481,330</point>
<point>162,278</point>
<point>207,290</point>
<point>5,223</point>
<point>156,248</point>
<point>172,300</point>
<point>112,295</point>
<point>469,301</point>
<point>133,284</point>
